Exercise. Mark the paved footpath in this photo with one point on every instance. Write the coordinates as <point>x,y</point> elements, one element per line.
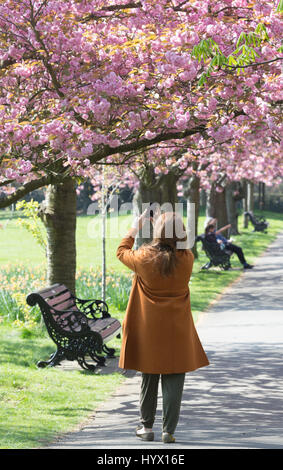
<point>236,402</point>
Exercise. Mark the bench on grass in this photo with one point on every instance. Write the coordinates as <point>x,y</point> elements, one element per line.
<point>79,328</point>
<point>216,255</point>
<point>259,223</point>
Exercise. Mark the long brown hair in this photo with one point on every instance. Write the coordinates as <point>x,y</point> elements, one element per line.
<point>168,230</point>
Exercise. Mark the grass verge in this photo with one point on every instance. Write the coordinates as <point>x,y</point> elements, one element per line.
<point>39,404</point>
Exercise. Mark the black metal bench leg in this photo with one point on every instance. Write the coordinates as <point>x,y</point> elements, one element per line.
<point>101,360</point>
<point>110,352</point>
<point>54,359</point>
<point>82,362</point>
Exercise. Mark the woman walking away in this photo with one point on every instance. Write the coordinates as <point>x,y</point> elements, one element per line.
<point>159,336</point>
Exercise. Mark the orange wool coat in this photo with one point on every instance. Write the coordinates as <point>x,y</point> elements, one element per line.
<point>159,336</point>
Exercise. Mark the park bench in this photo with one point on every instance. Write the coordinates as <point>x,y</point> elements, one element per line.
<point>216,255</point>
<point>260,224</point>
<point>79,328</point>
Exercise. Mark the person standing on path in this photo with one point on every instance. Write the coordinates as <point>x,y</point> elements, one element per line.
<point>159,337</point>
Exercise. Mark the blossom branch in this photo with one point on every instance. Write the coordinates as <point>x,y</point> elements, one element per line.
<point>106,150</point>
<point>255,64</point>
<point>25,189</point>
<point>92,16</point>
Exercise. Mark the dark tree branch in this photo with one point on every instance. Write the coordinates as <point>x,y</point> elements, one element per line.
<point>93,16</point>
<point>6,182</point>
<point>25,189</point>
<point>107,151</point>
<point>255,64</point>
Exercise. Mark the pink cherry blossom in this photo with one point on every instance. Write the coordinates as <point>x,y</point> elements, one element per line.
<point>83,80</point>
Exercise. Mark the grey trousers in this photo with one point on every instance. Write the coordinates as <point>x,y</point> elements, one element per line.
<point>172,390</point>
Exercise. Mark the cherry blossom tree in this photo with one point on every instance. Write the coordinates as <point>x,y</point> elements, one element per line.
<point>103,80</point>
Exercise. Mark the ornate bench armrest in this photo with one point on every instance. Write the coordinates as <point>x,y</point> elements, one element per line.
<point>70,321</point>
<point>96,308</point>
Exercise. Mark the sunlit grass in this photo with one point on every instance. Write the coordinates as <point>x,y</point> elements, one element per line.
<point>39,404</point>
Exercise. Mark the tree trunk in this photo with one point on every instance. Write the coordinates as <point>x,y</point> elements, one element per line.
<point>231,208</point>
<point>216,207</point>
<point>192,194</point>
<point>250,196</point>
<point>261,196</point>
<point>161,189</point>
<point>246,219</point>
<point>202,197</point>
<point>59,216</point>
<point>249,200</point>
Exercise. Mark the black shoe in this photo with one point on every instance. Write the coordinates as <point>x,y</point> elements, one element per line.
<point>248,266</point>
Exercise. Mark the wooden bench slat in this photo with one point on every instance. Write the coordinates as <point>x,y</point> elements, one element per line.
<point>59,298</point>
<point>101,323</point>
<point>109,331</point>
<point>51,292</point>
<point>105,328</point>
<point>67,305</point>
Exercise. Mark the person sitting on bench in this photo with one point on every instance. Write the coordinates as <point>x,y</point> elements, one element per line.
<point>212,235</point>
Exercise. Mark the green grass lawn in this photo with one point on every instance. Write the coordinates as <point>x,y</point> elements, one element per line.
<point>38,404</point>
<point>18,245</point>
